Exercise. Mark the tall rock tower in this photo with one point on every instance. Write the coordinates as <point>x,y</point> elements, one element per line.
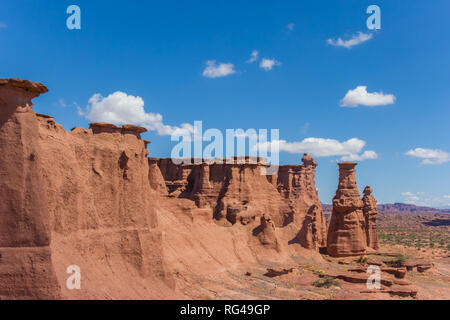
<point>347,232</point>
<point>26,270</point>
<point>370,214</point>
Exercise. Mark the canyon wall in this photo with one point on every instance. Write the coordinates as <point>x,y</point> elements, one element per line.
<point>237,191</point>
<point>102,207</point>
<point>74,198</point>
<point>26,269</point>
<point>140,227</point>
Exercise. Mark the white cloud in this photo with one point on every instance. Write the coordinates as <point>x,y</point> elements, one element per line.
<point>214,70</point>
<point>360,96</point>
<point>369,154</point>
<point>120,108</point>
<point>268,64</point>
<point>425,199</point>
<point>349,150</point>
<point>290,26</point>
<point>253,56</point>
<point>62,103</point>
<point>3,25</point>
<point>430,156</point>
<point>353,41</point>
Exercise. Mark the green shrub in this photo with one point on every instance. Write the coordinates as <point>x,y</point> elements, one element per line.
<point>398,261</point>
<point>325,282</point>
<point>362,260</point>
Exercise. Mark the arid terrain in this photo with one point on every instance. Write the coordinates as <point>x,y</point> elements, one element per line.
<point>145,228</point>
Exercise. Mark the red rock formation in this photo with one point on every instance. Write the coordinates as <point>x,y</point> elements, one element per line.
<point>231,189</point>
<point>297,184</point>
<point>88,191</point>
<point>267,234</point>
<point>370,214</point>
<point>26,270</point>
<point>92,198</point>
<point>237,192</point>
<point>346,232</point>
<point>155,177</point>
<point>102,206</point>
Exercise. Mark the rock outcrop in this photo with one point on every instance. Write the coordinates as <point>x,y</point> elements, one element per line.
<point>74,198</point>
<point>297,184</point>
<point>370,214</point>
<point>267,234</point>
<point>102,206</point>
<point>26,269</point>
<point>238,192</point>
<point>144,227</point>
<point>347,231</point>
<point>233,189</point>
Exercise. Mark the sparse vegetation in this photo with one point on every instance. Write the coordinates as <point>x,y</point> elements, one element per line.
<point>362,260</point>
<point>420,231</point>
<point>398,261</point>
<point>325,282</point>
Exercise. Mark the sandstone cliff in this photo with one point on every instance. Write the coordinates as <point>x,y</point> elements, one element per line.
<point>74,198</point>
<point>26,269</point>
<point>102,207</point>
<point>142,227</point>
<point>238,192</point>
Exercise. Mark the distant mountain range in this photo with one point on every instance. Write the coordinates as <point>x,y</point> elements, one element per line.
<point>399,208</point>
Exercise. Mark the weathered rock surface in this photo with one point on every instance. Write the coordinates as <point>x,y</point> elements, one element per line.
<point>26,270</point>
<point>347,231</point>
<point>142,227</point>
<point>102,206</point>
<point>267,234</point>
<point>370,214</point>
<point>238,192</point>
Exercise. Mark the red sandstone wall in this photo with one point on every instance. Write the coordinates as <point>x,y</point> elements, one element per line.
<point>137,227</point>
<point>239,193</point>
<point>26,270</point>
<point>102,208</point>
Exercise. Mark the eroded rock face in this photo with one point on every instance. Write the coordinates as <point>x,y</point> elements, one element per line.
<point>92,198</point>
<point>347,231</point>
<point>297,184</point>
<point>102,198</point>
<point>26,270</point>
<point>266,233</point>
<point>237,192</point>
<point>155,177</point>
<point>75,198</point>
<point>233,190</point>
<point>370,214</point>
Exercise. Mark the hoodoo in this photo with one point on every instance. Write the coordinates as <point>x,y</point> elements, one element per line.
<point>370,214</point>
<point>347,232</point>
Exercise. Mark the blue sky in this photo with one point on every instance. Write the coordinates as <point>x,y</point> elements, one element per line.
<point>158,50</point>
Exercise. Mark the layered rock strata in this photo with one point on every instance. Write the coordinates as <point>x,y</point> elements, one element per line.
<point>347,231</point>
<point>239,192</point>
